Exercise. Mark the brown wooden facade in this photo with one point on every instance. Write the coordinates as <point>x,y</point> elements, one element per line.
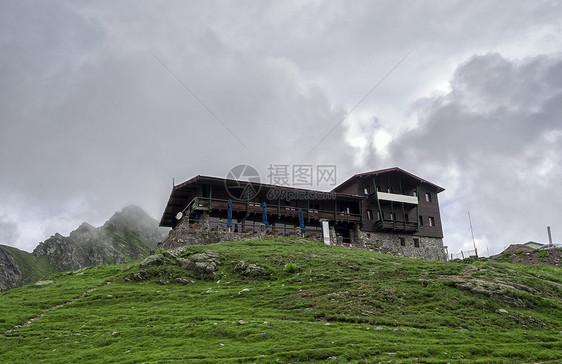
<point>391,201</point>
<point>396,201</point>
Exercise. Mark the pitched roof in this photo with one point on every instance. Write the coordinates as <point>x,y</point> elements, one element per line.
<point>384,171</point>
<point>177,199</point>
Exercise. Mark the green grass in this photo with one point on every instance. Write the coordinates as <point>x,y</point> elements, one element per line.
<point>337,304</point>
<point>32,268</point>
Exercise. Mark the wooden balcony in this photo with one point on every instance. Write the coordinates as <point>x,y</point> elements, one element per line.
<point>396,226</point>
<point>249,208</point>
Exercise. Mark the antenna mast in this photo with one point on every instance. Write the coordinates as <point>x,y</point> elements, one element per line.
<point>472,232</point>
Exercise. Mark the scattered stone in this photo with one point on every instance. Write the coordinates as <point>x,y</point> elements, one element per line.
<point>208,255</point>
<point>140,276</point>
<point>502,311</point>
<point>42,283</point>
<point>205,267</point>
<point>183,281</point>
<point>242,322</point>
<point>244,290</point>
<point>157,259</point>
<point>378,328</point>
<point>250,270</point>
<point>202,263</point>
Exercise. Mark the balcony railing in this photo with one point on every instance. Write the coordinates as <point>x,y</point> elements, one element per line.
<point>253,208</point>
<point>397,197</point>
<point>396,225</point>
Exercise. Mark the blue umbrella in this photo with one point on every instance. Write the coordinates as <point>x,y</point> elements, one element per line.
<point>264,215</point>
<point>229,215</point>
<point>301,221</point>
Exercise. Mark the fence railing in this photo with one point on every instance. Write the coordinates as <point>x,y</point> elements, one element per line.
<point>253,208</point>
<point>398,225</point>
<point>463,254</point>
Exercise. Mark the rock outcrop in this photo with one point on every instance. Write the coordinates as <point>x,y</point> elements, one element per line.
<point>129,234</point>
<point>10,275</point>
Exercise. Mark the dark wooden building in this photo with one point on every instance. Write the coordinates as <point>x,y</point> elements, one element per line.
<point>389,210</point>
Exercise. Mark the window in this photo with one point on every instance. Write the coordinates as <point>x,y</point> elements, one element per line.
<point>392,216</point>
<point>427,197</point>
<point>370,214</point>
<point>415,193</point>
<point>431,221</point>
<point>402,241</point>
<point>366,189</point>
<point>421,220</point>
<point>416,243</point>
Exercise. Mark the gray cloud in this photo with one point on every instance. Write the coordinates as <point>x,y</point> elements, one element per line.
<point>496,138</point>
<point>8,231</point>
<point>91,121</point>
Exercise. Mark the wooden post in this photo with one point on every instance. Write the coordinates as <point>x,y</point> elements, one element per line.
<point>335,212</point>
<point>378,202</point>
<point>403,210</point>
<point>418,209</point>
<point>361,211</point>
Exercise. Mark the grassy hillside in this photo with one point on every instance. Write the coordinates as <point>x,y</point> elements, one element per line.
<point>299,301</point>
<point>32,268</point>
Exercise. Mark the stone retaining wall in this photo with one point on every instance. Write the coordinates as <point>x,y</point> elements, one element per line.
<point>429,248</point>
<point>200,234</point>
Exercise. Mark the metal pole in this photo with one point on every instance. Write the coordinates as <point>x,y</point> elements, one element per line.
<point>549,235</point>
<point>472,232</point>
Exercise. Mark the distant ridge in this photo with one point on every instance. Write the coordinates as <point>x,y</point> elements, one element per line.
<point>128,235</point>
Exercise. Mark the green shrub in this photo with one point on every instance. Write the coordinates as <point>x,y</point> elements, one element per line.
<point>290,268</point>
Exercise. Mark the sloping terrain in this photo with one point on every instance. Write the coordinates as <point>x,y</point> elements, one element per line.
<point>18,267</point>
<point>287,300</point>
<point>523,254</point>
<point>129,234</point>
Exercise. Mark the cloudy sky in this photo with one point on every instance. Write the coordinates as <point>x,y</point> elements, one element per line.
<point>103,103</point>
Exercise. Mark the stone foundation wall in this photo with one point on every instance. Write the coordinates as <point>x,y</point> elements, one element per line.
<point>200,234</point>
<point>186,233</point>
<point>429,248</point>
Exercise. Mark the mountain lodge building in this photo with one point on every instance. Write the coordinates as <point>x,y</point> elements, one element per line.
<point>390,210</point>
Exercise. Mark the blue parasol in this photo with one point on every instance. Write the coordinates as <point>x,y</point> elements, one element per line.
<point>301,221</point>
<point>264,215</point>
<point>229,215</point>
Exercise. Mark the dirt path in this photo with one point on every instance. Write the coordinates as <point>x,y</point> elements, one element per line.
<point>30,321</point>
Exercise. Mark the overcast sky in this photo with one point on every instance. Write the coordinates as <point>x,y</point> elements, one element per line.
<point>103,103</point>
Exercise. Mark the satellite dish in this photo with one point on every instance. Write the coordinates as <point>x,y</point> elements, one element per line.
<point>179,215</point>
